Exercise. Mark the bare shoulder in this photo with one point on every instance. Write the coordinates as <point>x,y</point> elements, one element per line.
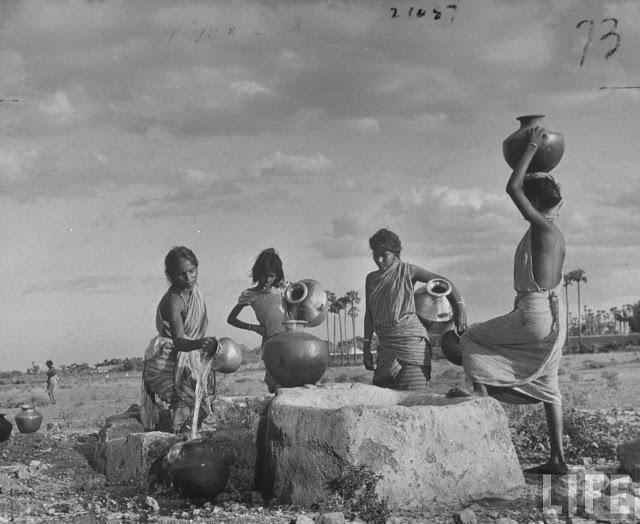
<point>171,302</point>
<point>369,277</point>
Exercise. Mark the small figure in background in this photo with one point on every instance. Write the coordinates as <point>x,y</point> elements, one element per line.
<point>52,380</point>
<point>267,301</point>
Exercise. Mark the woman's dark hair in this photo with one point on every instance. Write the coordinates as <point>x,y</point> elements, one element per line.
<point>268,261</point>
<point>174,257</point>
<point>385,240</point>
<point>49,363</point>
<point>544,188</point>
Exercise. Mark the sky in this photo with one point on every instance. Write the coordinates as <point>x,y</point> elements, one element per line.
<point>232,126</point>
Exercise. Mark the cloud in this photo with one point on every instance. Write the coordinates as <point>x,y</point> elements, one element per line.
<point>426,121</point>
<point>249,88</point>
<point>279,163</point>
<point>364,126</point>
<point>84,284</point>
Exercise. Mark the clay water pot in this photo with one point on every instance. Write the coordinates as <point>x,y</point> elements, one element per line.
<point>229,356</point>
<point>431,301</point>
<point>28,420</point>
<point>198,470</point>
<point>450,345</point>
<point>294,357</point>
<point>548,154</point>
<point>306,300</point>
<point>5,428</point>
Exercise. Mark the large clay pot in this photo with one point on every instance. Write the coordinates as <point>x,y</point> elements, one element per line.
<point>229,356</point>
<point>548,154</point>
<point>306,300</point>
<point>28,420</point>
<point>198,470</point>
<point>5,428</point>
<point>295,358</point>
<point>432,304</point>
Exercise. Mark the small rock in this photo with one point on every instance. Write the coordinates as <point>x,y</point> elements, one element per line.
<point>466,516</point>
<point>585,461</point>
<point>334,517</point>
<point>153,504</point>
<point>302,519</point>
<point>22,473</point>
<point>550,516</point>
<point>505,520</point>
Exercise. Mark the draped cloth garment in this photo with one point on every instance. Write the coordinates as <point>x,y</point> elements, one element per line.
<point>518,354</point>
<point>169,373</point>
<point>404,353</point>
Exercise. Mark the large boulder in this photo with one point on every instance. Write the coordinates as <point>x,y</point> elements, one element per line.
<point>425,447</point>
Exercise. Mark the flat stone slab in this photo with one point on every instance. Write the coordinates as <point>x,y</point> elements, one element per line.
<point>426,447</point>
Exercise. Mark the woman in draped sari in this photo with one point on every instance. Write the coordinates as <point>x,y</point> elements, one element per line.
<point>173,356</point>
<point>404,352</point>
<point>515,357</point>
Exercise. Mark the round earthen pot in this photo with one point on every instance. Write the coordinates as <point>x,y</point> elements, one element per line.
<point>28,420</point>
<point>306,300</point>
<point>450,345</point>
<point>5,428</point>
<point>229,356</point>
<point>294,357</point>
<point>199,470</point>
<point>548,154</point>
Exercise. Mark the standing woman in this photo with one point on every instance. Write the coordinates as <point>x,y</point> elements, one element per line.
<point>52,380</point>
<point>266,299</point>
<point>515,357</point>
<point>172,358</point>
<point>404,351</point>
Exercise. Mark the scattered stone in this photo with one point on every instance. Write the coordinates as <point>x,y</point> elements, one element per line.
<point>466,516</point>
<point>585,461</point>
<point>153,504</point>
<point>302,519</point>
<point>505,520</point>
<point>333,517</point>
<point>629,456</point>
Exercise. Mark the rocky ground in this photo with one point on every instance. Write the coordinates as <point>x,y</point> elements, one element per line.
<point>47,477</point>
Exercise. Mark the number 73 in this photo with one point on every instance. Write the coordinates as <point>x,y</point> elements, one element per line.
<point>605,36</point>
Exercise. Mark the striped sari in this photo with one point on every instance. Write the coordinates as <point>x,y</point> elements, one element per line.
<point>404,352</point>
<point>171,374</point>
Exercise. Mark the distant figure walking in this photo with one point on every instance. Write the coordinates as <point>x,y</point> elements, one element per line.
<point>267,301</point>
<point>52,380</point>
<point>172,359</point>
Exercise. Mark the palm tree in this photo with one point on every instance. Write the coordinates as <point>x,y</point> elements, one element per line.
<point>353,298</point>
<point>331,297</point>
<point>342,311</point>
<point>330,294</point>
<point>578,276</point>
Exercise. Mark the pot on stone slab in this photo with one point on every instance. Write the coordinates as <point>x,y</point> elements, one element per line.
<point>198,470</point>
<point>450,345</point>
<point>548,154</point>
<point>28,420</point>
<point>295,357</point>
<point>306,300</point>
<point>5,427</point>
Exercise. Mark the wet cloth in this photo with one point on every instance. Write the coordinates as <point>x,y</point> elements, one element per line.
<point>404,353</point>
<point>169,373</point>
<point>518,354</point>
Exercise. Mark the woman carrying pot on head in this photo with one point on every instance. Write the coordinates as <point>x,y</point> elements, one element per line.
<point>515,357</point>
<point>404,352</point>
<point>267,301</point>
<point>172,359</point>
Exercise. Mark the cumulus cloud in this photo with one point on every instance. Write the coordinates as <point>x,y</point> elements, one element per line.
<point>365,126</point>
<point>84,284</point>
<point>249,88</point>
<point>279,163</point>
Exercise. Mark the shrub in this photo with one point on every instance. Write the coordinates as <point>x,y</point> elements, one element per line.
<point>356,497</point>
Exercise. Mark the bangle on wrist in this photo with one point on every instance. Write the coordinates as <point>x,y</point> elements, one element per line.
<point>534,145</point>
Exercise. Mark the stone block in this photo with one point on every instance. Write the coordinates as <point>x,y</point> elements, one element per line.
<point>130,459</point>
<point>425,447</point>
<point>118,427</point>
<point>237,412</point>
<point>629,457</point>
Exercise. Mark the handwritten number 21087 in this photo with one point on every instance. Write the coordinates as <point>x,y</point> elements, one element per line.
<point>609,34</point>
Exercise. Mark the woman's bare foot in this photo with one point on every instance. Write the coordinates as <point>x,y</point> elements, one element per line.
<point>457,392</point>
<point>549,468</point>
